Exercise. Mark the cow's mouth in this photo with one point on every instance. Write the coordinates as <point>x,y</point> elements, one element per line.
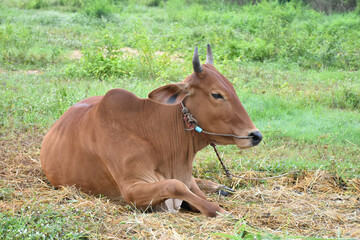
<point>243,144</point>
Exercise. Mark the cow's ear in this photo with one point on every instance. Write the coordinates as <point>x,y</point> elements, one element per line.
<point>170,94</point>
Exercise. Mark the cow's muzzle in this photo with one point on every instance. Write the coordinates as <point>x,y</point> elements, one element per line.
<point>256,137</point>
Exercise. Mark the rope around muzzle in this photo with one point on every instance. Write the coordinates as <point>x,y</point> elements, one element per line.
<point>193,126</point>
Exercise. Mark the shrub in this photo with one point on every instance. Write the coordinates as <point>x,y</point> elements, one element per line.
<point>104,59</point>
<point>20,45</point>
<point>256,49</point>
<point>99,8</point>
<point>347,96</point>
<point>140,57</point>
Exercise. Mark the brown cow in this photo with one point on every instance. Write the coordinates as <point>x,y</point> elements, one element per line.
<point>121,145</point>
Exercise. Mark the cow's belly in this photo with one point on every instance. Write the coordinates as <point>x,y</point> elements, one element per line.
<point>79,169</point>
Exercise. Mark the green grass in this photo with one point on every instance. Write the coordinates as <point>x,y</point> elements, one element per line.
<point>294,94</point>
<point>40,224</point>
<point>243,231</point>
<point>295,70</point>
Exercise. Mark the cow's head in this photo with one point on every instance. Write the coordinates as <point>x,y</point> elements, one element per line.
<point>212,100</point>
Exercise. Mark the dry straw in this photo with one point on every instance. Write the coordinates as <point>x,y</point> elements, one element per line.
<point>313,204</point>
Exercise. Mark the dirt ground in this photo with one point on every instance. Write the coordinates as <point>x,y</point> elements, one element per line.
<point>311,204</point>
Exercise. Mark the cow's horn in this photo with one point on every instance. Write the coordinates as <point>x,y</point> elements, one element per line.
<point>196,61</point>
<point>209,55</point>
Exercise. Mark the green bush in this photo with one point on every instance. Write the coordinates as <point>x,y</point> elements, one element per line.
<point>71,5</point>
<point>104,59</point>
<point>99,8</point>
<point>20,45</point>
<point>258,49</point>
<point>294,33</point>
<point>107,62</point>
<point>268,31</point>
<point>110,57</point>
<point>347,96</point>
<point>15,42</point>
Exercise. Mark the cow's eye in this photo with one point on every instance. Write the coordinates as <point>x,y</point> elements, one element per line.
<point>217,96</point>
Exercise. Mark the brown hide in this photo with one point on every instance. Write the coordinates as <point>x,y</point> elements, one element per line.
<point>121,145</point>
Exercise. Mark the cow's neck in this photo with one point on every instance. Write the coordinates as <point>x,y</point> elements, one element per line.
<point>192,142</point>
<point>197,141</point>
<point>177,145</point>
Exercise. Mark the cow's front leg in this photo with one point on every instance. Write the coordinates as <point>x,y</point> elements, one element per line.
<point>151,194</point>
<point>196,190</point>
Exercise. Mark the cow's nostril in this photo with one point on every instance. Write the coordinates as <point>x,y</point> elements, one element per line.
<point>256,137</point>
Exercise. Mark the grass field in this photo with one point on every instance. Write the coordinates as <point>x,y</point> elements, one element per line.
<point>295,70</point>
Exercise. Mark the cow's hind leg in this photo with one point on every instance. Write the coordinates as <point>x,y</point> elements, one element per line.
<point>144,195</point>
<point>199,185</point>
<point>209,186</point>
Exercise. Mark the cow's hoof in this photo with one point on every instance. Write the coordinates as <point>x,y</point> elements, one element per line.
<point>225,191</point>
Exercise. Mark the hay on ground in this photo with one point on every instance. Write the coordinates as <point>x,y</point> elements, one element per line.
<point>313,204</point>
